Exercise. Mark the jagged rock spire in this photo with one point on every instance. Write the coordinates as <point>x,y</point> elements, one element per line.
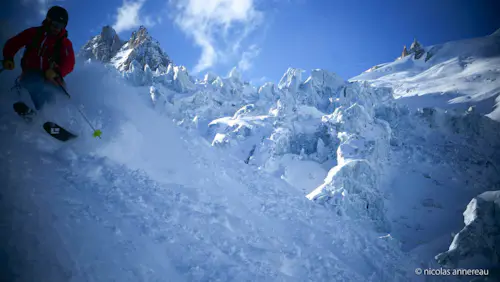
<point>139,36</point>
<point>405,52</point>
<point>103,46</point>
<point>415,46</point>
<point>140,47</point>
<point>145,50</point>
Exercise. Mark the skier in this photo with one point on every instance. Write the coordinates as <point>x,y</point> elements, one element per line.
<point>47,59</point>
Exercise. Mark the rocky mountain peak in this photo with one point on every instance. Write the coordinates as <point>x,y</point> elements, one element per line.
<point>405,52</point>
<point>415,46</point>
<point>140,47</point>
<point>140,36</point>
<point>108,33</point>
<point>102,47</point>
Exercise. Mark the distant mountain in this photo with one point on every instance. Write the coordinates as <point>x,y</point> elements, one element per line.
<point>102,47</point>
<point>144,49</point>
<point>141,47</point>
<point>456,74</point>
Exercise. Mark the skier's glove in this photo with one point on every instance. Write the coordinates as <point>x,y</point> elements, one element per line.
<point>8,64</point>
<point>51,74</point>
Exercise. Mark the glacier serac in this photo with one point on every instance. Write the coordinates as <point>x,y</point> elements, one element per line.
<point>315,179</point>
<point>481,235</point>
<point>366,147</point>
<point>152,201</point>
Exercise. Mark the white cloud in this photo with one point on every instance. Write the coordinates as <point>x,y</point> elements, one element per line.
<point>247,57</point>
<point>217,26</point>
<point>41,6</point>
<point>129,16</point>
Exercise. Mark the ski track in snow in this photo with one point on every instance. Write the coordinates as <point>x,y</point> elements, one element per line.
<point>151,202</point>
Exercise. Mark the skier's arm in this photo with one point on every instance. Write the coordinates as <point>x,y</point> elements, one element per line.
<point>17,42</point>
<point>67,58</point>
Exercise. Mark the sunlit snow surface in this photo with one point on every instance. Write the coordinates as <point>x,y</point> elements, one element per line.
<point>441,160</point>
<point>154,202</point>
<point>459,74</point>
<point>315,179</point>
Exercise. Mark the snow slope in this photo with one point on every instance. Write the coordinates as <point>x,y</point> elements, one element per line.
<point>152,202</point>
<point>397,166</point>
<point>444,148</point>
<point>205,179</point>
<point>452,75</point>
<point>352,148</point>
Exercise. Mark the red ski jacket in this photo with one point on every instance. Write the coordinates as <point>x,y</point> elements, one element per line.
<point>40,52</point>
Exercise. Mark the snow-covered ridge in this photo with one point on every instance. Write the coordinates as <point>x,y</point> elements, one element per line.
<point>456,74</point>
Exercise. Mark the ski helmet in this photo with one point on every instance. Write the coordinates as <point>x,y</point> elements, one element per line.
<point>58,14</point>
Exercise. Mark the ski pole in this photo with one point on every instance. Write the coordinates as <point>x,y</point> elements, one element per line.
<point>97,132</point>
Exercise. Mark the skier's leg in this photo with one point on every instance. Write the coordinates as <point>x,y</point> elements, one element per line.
<point>34,82</point>
<point>53,89</point>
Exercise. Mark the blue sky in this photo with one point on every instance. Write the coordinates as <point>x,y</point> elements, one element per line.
<point>265,37</point>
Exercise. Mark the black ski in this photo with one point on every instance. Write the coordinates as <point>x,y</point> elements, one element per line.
<point>56,131</point>
<point>52,128</point>
<point>24,111</point>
